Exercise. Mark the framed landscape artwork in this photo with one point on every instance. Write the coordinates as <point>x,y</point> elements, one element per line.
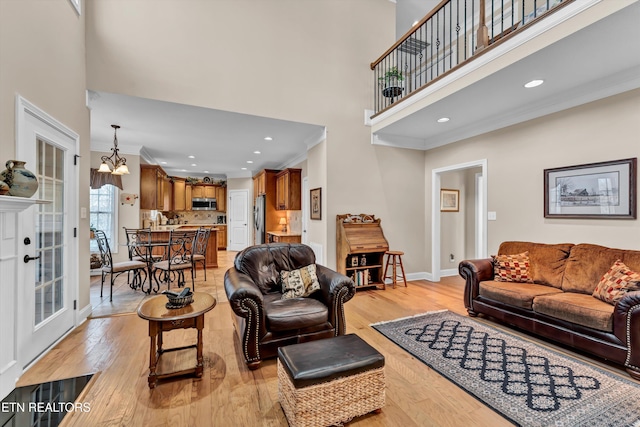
<point>449,200</point>
<point>605,190</point>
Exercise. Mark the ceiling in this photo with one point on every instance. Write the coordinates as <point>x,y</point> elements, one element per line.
<point>221,142</point>
<point>600,60</point>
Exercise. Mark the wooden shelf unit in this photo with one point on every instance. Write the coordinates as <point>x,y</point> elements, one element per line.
<point>361,237</point>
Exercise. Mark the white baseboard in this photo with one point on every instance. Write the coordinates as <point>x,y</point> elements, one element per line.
<point>83,314</point>
<point>449,272</point>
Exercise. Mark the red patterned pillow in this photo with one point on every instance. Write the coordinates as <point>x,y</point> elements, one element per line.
<point>616,282</point>
<point>512,268</point>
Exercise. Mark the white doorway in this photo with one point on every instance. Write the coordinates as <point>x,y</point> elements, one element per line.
<point>48,277</point>
<point>305,210</point>
<point>481,238</point>
<point>238,220</point>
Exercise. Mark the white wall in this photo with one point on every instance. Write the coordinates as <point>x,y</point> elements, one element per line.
<point>517,156</point>
<point>42,57</point>
<point>285,59</point>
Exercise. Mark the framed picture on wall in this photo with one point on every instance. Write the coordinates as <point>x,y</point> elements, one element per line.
<point>316,203</point>
<point>449,200</point>
<point>604,190</point>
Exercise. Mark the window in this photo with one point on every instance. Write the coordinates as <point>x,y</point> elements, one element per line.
<point>104,214</point>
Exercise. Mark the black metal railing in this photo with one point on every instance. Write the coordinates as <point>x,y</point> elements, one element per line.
<point>451,34</point>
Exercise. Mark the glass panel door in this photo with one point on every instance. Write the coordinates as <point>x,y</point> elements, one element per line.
<point>49,232</point>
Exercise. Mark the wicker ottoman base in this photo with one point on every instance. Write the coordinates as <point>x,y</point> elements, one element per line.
<point>333,402</point>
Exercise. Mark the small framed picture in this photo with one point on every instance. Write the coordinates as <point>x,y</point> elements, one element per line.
<point>449,200</point>
<point>316,203</point>
<point>354,261</point>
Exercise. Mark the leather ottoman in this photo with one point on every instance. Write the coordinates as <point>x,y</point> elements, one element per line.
<point>330,381</point>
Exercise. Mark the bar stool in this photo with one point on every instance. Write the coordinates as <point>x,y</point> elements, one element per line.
<point>394,258</point>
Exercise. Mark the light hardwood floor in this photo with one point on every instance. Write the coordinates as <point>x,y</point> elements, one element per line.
<point>117,348</point>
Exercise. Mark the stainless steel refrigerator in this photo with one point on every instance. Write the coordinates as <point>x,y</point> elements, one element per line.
<point>259,219</point>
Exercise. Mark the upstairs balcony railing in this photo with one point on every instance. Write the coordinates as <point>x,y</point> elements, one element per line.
<point>450,35</point>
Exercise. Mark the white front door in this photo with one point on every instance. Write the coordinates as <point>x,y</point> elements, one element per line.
<point>238,219</point>
<point>47,279</point>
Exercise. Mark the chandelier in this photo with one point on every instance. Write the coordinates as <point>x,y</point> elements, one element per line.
<point>118,164</point>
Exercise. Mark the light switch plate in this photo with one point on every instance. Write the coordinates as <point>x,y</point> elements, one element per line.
<point>83,213</point>
<point>491,216</point>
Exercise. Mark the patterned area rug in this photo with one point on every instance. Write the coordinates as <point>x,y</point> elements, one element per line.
<point>525,383</point>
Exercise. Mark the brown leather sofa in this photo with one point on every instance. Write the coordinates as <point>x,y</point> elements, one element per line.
<point>558,305</point>
<point>263,320</point>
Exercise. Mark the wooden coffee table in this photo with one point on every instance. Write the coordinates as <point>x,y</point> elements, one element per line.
<point>162,319</point>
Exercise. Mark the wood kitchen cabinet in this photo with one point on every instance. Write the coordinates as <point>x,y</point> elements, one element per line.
<point>197,191</point>
<point>188,195</point>
<point>180,194</point>
<point>221,198</point>
<point>222,237</point>
<point>288,192</point>
<point>152,187</point>
<point>167,191</point>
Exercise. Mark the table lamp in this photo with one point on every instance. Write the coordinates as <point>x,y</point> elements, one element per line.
<point>283,223</point>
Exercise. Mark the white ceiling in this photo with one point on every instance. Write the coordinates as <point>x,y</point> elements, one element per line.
<point>222,142</point>
<point>600,60</point>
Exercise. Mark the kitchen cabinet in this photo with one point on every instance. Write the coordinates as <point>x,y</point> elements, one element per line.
<point>260,182</point>
<point>197,191</point>
<point>221,198</point>
<point>288,192</point>
<point>152,187</point>
<point>222,237</point>
<point>179,194</point>
<point>188,195</point>
<point>167,191</point>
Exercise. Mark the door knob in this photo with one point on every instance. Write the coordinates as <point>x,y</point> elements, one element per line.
<point>28,258</point>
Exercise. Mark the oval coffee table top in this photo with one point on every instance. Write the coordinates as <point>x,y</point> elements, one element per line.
<point>155,308</point>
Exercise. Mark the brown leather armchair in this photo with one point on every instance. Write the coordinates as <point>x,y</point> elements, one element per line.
<point>263,320</point>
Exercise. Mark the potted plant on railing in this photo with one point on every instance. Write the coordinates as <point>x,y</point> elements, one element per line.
<point>391,83</point>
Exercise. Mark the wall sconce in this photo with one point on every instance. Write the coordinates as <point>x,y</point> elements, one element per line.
<point>283,223</point>
<point>118,164</point>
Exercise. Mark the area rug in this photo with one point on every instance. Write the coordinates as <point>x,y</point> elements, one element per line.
<point>522,381</point>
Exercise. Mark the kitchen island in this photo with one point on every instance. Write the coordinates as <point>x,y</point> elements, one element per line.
<point>211,256</point>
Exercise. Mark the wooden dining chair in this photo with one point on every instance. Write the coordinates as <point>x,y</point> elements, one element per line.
<point>115,269</point>
<point>200,249</point>
<point>179,255</point>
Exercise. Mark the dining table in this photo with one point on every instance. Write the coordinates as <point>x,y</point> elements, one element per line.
<point>150,252</point>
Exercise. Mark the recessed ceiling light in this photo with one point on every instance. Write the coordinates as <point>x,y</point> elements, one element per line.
<point>268,138</point>
<point>249,161</point>
<point>205,171</point>
<point>193,164</point>
<point>414,23</point>
<point>443,119</point>
<point>192,157</point>
<point>533,83</point>
<point>244,169</point>
<point>163,163</point>
<point>256,152</point>
<point>183,170</point>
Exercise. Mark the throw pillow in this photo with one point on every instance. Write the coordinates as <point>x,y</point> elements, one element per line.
<point>616,282</point>
<point>299,283</point>
<point>512,268</point>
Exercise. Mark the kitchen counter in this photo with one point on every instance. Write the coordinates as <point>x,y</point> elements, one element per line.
<point>185,226</point>
<point>283,237</point>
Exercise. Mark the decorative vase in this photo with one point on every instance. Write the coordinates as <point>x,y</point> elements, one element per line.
<point>21,182</point>
<point>4,188</point>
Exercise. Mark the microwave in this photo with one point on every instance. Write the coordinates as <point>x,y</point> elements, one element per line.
<point>203,204</point>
